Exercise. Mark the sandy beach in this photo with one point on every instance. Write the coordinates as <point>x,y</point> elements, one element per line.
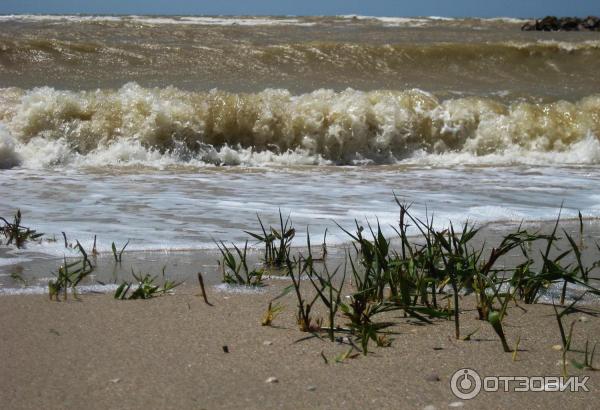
<point>168,353</point>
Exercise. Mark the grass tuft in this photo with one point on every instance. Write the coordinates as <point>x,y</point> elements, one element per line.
<point>69,275</point>
<point>277,242</point>
<point>17,234</point>
<point>117,255</point>
<point>234,265</point>
<point>145,287</point>
<point>271,314</point>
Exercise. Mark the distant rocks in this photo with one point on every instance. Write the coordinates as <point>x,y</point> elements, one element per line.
<point>552,23</point>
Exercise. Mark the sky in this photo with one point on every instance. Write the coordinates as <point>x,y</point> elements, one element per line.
<point>447,8</point>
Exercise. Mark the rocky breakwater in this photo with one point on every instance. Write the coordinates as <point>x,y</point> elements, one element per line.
<point>552,23</point>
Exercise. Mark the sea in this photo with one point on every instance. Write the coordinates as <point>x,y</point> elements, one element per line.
<point>176,132</point>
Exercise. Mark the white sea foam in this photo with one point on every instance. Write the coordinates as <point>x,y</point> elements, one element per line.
<point>43,290</point>
<point>13,260</point>
<point>511,20</point>
<point>584,152</point>
<point>179,209</point>
<point>574,292</point>
<point>561,45</point>
<point>390,21</point>
<point>57,17</point>
<point>421,21</point>
<point>441,18</point>
<point>191,20</point>
<point>237,20</point>
<point>42,153</point>
<point>239,289</point>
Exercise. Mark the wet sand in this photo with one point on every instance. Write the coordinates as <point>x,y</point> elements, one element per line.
<point>183,266</point>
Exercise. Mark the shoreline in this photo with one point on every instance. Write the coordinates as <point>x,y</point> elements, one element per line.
<point>183,265</point>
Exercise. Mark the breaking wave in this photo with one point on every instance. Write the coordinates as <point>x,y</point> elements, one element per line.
<point>422,21</point>
<point>389,21</point>
<point>379,57</point>
<point>159,20</point>
<point>45,127</point>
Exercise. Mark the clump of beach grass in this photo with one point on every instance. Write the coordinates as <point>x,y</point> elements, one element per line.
<point>234,266</point>
<point>69,275</point>
<point>530,282</point>
<point>325,286</point>
<point>117,255</point>
<point>145,286</point>
<point>277,242</point>
<point>15,233</point>
<point>304,306</point>
<point>417,275</point>
<point>273,310</point>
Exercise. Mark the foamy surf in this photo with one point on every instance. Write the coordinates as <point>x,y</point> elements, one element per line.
<point>178,209</point>
<point>43,290</point>
<point>159,20</point>
<point>160,127</point>
<point>392,21</point>
<point>9,261</point>
<point>239,289</point>
<point>552,294</point>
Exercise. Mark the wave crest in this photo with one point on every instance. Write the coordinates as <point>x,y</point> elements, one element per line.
<point>9,157</point>
<point>141,125</point>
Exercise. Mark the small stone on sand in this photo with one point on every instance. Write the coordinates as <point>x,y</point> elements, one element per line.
<point>267,343</point>
<point>311,388</point>
<point>456,404</point>
<point>557,347</point>
<point>272,380</point>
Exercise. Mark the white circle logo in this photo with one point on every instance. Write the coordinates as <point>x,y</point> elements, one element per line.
<point>465,384</point>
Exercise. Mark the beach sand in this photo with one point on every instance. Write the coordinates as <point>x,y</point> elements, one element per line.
<point>168,352</point>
